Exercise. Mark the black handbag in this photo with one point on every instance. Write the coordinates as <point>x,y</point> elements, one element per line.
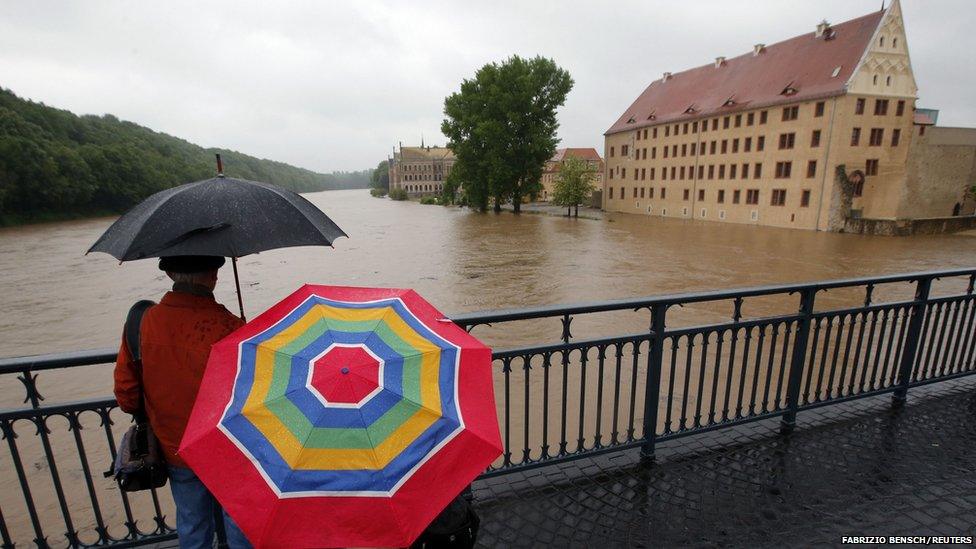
<point>456,527</point>
<point>139,463</point>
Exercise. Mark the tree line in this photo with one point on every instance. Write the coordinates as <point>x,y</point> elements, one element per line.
<point>54,163</point>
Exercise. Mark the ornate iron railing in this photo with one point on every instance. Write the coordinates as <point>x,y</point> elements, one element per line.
<point>559,401</point>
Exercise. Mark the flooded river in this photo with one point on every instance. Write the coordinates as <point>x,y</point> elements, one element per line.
<point>55,298</point>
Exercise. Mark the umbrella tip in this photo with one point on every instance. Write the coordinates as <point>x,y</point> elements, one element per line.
<point>220,166</point>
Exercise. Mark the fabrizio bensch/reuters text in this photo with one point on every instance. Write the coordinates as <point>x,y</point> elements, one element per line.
<point>900,540</point>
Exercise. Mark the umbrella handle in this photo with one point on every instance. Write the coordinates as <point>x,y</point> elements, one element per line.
<point>237,284</point>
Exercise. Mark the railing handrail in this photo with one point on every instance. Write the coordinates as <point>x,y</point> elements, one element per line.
<point>486,317</point>
<point>52,361</point>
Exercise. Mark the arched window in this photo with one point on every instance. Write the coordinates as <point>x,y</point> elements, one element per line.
<point>875,80</point>
<point>881,42</point>
<point>894,42</point>
<point>888,81</point>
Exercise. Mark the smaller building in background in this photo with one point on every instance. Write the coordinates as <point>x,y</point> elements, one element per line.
<point>552,168</point>
<point>420,170</point>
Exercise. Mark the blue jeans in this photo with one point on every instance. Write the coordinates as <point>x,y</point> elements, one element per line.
<point>195,513</point>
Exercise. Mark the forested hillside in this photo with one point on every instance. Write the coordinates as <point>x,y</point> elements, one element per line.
<point>56,164</point>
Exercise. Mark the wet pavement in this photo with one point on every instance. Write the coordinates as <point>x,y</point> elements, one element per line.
<point>851,469</point>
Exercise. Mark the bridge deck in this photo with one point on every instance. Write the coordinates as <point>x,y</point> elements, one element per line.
<point>853,469</point>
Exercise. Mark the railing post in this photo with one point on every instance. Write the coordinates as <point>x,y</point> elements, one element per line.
<point>912,338</point>
<point>652,386</point>
<point>798,360</point>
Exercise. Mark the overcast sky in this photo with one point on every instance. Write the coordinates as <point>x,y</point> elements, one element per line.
<point>335,85</point>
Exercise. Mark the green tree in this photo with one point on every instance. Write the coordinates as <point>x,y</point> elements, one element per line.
<point>574,184</point>
<point>502,127</point>
<point>380,178</point>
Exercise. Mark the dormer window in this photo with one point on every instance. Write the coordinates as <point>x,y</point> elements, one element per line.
<point>631,120</point>
<point>836,72</point>
<point>691,109</point>
<point>789,90</point>
<point>729,102</point>
<point>652,116</point>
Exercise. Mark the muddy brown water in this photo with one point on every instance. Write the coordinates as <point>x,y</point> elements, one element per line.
<point>54,298</point>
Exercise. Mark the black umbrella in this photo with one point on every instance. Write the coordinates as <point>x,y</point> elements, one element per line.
<point>220,217</point>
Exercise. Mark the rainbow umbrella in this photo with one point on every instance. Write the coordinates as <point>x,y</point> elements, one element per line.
<point>343,417</point>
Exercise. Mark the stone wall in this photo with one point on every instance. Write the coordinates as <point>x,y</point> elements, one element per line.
<point>908,227</point>
<point>941,165</point>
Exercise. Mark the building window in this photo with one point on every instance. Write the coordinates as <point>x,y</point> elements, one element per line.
<point>611,191</point>
<point>752,196</point>
<point>611,177</point>
<point>667,131</point>
<point>624,150</point>
<point>701,195</point>
<point>855,136</point>
<point>684,129</point>
<point>642,192</point>
<point>687,194</point>
<point>745,170</point>
<point>805,199</point>
<point>645,133</point>
<point>664,193</point>
<point>721,196</point>
<point>871,167</point>
<point>694,127</point>
<point>643,174</point>
<point>711,171</point>
<point>711,147</point>
<point>732,168</point>
<point>783,170</point>
<point>818,109</point>
<point>682,173</point>
<point>693,147</point>
<point>778,198</point>
<point>880,107</point>
<point>815,139</point>
<point>790,113</point>
<point>623,175</point>
<point>674,150</point>
<point>738,120</point>
<point>652,174</point>
<point>786,140</point>
<point>665,149</point>
<point>674,171</point>
<point>664,173</point>
<point>859,106</point>
<point>900,108</point>
<point>757,171</point>
<point>736,195</point>
<point>611,152</point>
<point>858,188</point>
<point>895,137</point>
<point>637,137</point>
<point>725,123</point>
<point>653,153</point>
<point>750,119</point>
<point>725,146</point>
<point>701,172</point>
<point>812,168</point>
<point>747,145</point>
<point>763,115</point>
<point>650,192</point>
<point>635,192</point>
<point>721,171</point>
<point>887,80</point>
<point>684,149</point>
<point>874,80</point>
<point>735,145</point>
<point>714,124</point>
<point>760,143</point>
<point>877,136</point>
<point>653,133</point>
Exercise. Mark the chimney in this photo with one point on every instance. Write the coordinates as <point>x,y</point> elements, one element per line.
<point>822,29</point>
<point>758,48</point>
<point>667,76</point>
<point>719,61</point>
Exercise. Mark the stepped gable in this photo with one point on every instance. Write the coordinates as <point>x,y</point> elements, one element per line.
<point>802,68</point>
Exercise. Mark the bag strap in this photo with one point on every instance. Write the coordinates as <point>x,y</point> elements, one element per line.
<point>133,326</point>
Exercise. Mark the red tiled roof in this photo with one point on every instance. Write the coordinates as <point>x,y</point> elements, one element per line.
<point>805,63</point>
<point>585,154</point>
<point>923,119</point>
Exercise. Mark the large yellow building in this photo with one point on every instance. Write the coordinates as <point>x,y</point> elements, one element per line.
<point>420,170</point>
<point>813,132</point>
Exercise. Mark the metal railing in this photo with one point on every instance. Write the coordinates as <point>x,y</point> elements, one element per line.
<point>559,401</point>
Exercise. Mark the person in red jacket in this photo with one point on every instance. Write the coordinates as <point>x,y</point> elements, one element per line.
<point>175,337</point>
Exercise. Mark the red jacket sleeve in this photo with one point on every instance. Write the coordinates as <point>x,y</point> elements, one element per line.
<point>126,381</point>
